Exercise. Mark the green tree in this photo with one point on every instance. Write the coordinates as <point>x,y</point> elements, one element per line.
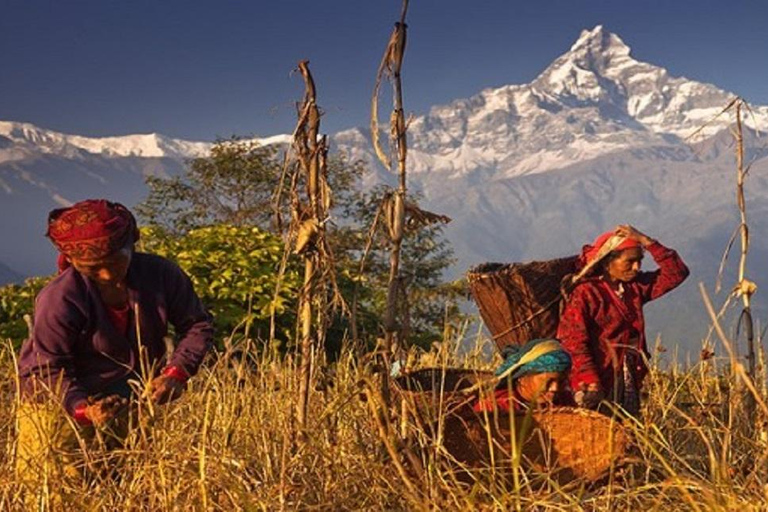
<point>234,271</point>
<point>235,186</point>
<point>425,256</point>
<point>15,302</point>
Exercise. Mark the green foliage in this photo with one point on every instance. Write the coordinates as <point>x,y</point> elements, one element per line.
<point>235,186</point>
<point>430,302</point>
<point>15,302</point>
<point>234,271</point>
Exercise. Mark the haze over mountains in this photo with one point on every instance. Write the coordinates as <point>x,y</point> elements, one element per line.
<point>528,171</point>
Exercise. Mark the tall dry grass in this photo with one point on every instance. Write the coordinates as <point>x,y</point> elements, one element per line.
<point>231,444</point>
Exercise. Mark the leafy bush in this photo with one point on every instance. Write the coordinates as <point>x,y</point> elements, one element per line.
<point>234,271</point>
<point>15,302</point>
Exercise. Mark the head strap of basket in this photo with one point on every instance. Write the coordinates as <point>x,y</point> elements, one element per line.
<point>603,245</point>
<point>537,356</point>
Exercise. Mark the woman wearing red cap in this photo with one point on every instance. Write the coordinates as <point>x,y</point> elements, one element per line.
<point>99,326</point>
<point>602,326</point>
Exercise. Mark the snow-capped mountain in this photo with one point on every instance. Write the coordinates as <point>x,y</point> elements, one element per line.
<point>526,171</point>
<point>21,139</point>
<point>593,100</point>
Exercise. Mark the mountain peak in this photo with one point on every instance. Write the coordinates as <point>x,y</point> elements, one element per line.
<point>599,41</point>
<point>581,72</point>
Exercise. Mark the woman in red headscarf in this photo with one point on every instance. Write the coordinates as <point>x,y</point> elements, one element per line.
<point>602,326</point>
<point>99,335</point>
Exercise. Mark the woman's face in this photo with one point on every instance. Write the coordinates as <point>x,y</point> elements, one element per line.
<point>540,386</point>
<point>626,265</point>
<point>106,272</point>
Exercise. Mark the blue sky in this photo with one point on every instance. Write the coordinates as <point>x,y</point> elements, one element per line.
<point>200,69</point>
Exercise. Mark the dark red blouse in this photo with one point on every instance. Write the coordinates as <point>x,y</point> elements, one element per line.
<point>597,326</point>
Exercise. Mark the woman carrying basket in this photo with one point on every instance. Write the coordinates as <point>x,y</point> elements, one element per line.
<point>602,326</point>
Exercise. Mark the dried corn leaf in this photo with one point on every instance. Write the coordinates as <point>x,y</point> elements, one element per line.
<point>306,236</point>
<point>418,218</point>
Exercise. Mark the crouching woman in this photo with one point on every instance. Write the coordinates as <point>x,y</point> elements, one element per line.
<point>99,324</point>
<point>534,374</point>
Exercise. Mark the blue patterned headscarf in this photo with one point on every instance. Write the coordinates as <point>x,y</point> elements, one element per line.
<point>537,356</point>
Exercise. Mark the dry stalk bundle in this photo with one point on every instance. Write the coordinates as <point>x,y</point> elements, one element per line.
<point>390,66</point>
<point>398,213</point>
<point>310,212</point>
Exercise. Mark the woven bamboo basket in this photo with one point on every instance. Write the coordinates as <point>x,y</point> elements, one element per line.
<point>563,442</point>
<point>430,392</point>
<point>519,302</point>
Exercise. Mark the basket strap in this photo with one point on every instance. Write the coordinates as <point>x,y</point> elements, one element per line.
<point>609,245</point>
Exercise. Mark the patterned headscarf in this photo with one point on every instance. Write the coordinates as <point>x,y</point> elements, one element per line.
<point>537,356</point>
<point>91,230</point>
<point>606,243</point>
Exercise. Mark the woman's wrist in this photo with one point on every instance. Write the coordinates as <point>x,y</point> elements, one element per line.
<point>176,372</point>
<point>80,414</point>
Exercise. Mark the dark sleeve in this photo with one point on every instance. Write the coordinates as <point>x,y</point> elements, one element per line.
<point>671,272</point>
<point>193,324</point>
<point>47,358</point>
<point>574,337</point>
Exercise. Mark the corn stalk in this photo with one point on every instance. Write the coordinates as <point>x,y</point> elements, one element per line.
<point>394,209</point>
<point>744,288</point>
<point>308,218</point>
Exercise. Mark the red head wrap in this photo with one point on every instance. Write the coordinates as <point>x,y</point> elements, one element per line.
<point>590,252</point>
<point>91,230</point>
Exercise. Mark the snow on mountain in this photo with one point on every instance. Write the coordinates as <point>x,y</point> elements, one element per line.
<point>25,135</point>
<point>598,69</point>
<point>593,100</point>
<point>21,140</point>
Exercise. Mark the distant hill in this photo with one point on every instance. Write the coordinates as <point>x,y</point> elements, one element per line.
<point>8,276</point>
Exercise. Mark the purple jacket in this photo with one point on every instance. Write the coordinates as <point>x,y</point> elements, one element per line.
<point>73,337</point>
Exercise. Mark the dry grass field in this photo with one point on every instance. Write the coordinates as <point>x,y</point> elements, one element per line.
<point>232,443</point>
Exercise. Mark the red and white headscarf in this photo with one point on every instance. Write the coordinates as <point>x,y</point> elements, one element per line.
<point>90,230</point>
<point>603,245</point>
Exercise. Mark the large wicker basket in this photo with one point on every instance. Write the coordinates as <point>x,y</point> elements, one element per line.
<point>520,301</point>
<point>563,442</point>
<point>431,392</point>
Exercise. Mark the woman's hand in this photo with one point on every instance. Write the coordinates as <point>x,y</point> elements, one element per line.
<point>631,233</point>
<point>589,396</point>
<point>101,411</point>
<point>166,389</point>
